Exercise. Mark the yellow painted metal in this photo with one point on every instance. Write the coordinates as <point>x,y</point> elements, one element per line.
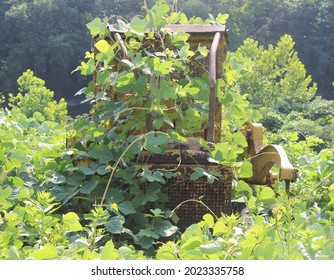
<point>264,158</point>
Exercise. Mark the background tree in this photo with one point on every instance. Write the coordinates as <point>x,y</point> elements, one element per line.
<point>308,22</point>
<point>45,36</point>
<point>50,37</point>
<point>270,76</point>
<point>34,97</point>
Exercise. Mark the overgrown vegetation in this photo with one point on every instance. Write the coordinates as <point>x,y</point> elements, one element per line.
<point>34,97</point>
<point>71,189</point>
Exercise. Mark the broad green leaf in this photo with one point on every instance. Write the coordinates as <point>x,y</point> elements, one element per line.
<point>126,207</point>
<point>13,163</point>
<point>48,252</point>
<point>252,203</point>
<point>164,228</point>
<point>138,25</point>
<point>24,194</point>
<point>328,250</point>
<point>116,195</point>
<point>267,196</point>
<point>97,27</point>
<point>86,170</point>
<point>157,124</point>
<point>115,225</point>
<point>221,151</point>
<point>183,19</point>
<point>155,143</point>
<point>16,181</point>
<point>211,247</point>
<point>162,68</point>
<point>109,252</point>
<point>125,82</point>
<point>220,228</point>
<point>144,241</point>
<point>24,123</point>
<point>4,195</point>
<point>103,46</point>
<point>153,176</point>
<point>80,124</point>
<point>89,186</point>
<point>192,243</point>
<point>165,253</point>
<point>176,136</point>
<point>87,68</point>
<point>198,172</point>
<point>12,253</point>
<point>18,156</point>
<point>151,193</point>
<point>140,86</point>
<point>174,17</point>
<point>239,139</point>
<point>57,178</point>
<point>71,221</point>
<point>331,196</point>
<point>243,189</point>
<point>185,52</point>
<point>210,177</point>
<point>192,90</point>
<point>103,156</point>
<point>222,18</point>
<point>157,212</point>
<point>76,179</point>
<point>246,170</point>
<point>303,161</point>
<point>208,220</point>
<point>64,194</point>
<point>168,91</point>
<point>264,251</point>
<point>148,233</point>
<point>204,144</point>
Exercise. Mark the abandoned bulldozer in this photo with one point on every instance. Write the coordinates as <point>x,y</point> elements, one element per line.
<point>188,155</point>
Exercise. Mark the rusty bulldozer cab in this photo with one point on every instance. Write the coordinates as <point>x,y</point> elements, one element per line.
<point>184,194</point>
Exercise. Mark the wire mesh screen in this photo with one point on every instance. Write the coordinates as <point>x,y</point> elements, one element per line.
<point>191,199</point>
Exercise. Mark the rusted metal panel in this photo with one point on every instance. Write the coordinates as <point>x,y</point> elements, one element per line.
<point>191,199</point>
<point>188,28</point>
<point>197,28</point>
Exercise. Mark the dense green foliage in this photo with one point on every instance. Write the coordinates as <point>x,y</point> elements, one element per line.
<point>287,75</point>
<point>33,227</point>
<point>275,82</point>
<point>71,189</point>
<point>34,97</point>
<point>49,37</point>
<point>308,22</point>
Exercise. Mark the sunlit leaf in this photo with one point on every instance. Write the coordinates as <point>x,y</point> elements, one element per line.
<point>164,228</point>
<point>71,221</point>
<point>48,252</point>
<point>97,27</point>
<point>246,170</point>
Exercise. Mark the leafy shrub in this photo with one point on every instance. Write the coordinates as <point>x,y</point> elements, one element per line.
<point>320,110</point>
<point>34,97</point>
<point>271,120</point>
<point>296,122</point>
<point>272,75</point>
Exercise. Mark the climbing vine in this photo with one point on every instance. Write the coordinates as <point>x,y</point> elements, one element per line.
<point>145,94</point>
